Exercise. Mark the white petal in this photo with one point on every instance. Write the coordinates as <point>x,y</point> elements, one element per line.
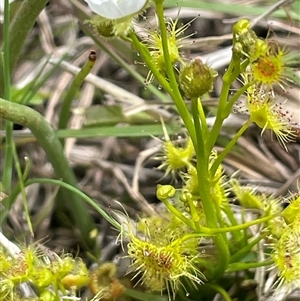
<point>115,9</point>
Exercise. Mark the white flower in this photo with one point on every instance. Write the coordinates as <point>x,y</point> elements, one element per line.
<point>116,9</point>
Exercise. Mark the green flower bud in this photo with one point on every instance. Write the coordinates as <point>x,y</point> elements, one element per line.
<point>78,277</point>
<point>238,47</point>
<point>196,79</point>
<point>185,197</point>
<point>246,195</point>
<point>259,49</point>
<point>292,211</point>
<point>246,42</point>
<point>241,27</point>
<point>164,192</point>
<point>47,296</point>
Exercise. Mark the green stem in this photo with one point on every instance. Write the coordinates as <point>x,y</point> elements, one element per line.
<point>237,235</point>
<point>242,252</point>
<point>233,99</point>
<point>235,267</point>
<point>201,154</point>
<point>189,236</point>
<point>177,213</point>
<point>146,56</point>
<point>228,147</point>
<point>210,209</point>
<point>213,231</point>
<point>48,140</point>
<point>205,231</point>
<point>202,117</point>
<point>22,23</point>
<point>5,57</point>
<point>220,290</point>
<point>73,90</point>
<point>194,213</point>
<point>230,75</point>
<point>81,195</point>
<point>176,95</point>
<point>22,188</point>
<point>215,131</point>
<point>8,158</point>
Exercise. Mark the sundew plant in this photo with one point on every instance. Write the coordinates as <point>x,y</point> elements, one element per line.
<point>211,237</point>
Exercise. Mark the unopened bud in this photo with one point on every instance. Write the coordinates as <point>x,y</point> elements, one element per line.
<point>164,192</point>
<point>196,79</point>
<point>241,27</point>
<point>292,211</point>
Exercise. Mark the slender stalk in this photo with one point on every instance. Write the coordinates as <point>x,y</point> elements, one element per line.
<point>8,157</point>
<point>220,290</point>
<point>50,143</point>
<point>22,23</point>
<point>202,116</point>
<point>176,95</point>
<point>81,195</point>
<point>194,213</point>
<point>145,54</point>
<point>238,236</point>
<point>241,226</point>
<point>229,146</point>
<point>239,266</point>
<point>178,214</point>
<point>234,98</point>
<point>73,90</point>
<point>210,209</point>
<point>230,75</point>
<point>200,149</point>
<point>242,252</point>
<point>22,188</point>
